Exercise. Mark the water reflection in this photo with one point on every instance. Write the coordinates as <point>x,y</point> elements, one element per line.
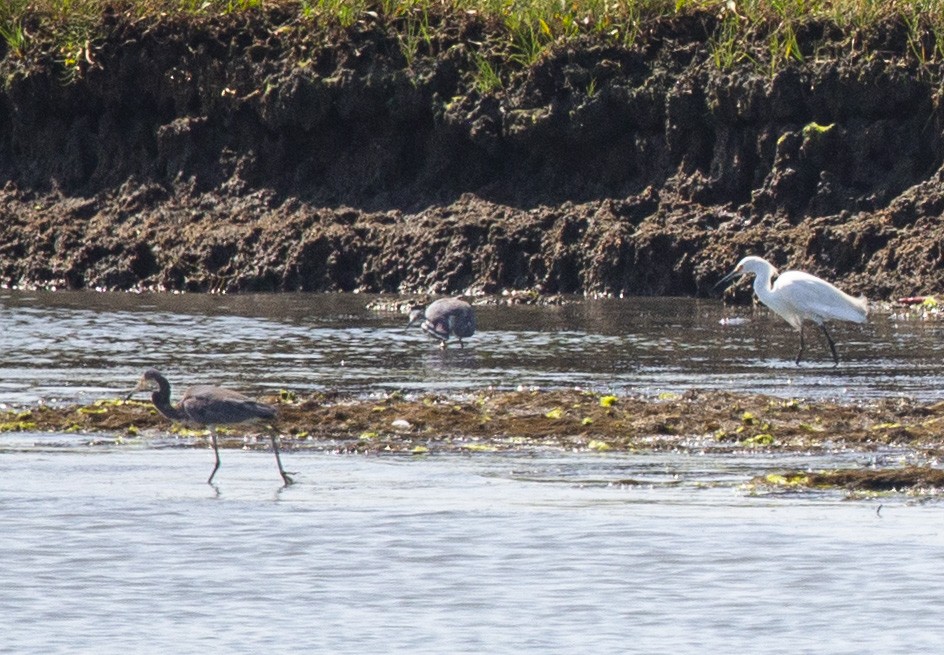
<point>78,346</point>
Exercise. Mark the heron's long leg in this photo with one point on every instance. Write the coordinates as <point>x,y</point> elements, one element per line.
<point>278,460</point>
<point>216,451</point>
<point>832,346</point>
<point>802,346</point>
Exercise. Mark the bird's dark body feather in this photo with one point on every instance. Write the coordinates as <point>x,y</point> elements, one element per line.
<point>449,317</point>
<point>217,406</point>
<point>211,406</point>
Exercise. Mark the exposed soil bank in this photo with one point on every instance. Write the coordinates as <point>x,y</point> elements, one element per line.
<point>570,420</point>
<point>254,152</point>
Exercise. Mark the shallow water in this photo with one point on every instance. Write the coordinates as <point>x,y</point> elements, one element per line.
<point>77,347</point>
<point>127,550</point>
<point>124,548</point>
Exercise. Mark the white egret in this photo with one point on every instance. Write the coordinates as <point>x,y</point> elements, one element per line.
<point>798,297</point>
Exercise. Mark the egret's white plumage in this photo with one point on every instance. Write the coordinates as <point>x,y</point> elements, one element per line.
<point>797,296</point>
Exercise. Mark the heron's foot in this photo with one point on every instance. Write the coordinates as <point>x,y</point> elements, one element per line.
<point>287,477</point>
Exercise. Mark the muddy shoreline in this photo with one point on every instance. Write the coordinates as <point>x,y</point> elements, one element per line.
<point>253,152</point>
<point>574,421</point>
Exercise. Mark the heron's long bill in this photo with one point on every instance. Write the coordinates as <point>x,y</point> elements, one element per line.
<point>727,278</point>
<point>142,385</point>
<point>415,317</point>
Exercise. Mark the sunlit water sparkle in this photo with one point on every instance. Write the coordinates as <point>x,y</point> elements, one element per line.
<point>125,548</point>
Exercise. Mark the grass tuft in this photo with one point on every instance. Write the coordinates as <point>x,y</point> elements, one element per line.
<point>768,34</point>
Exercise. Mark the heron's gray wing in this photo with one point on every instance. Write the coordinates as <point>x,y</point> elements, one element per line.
<point>450,316</point>
<point>217,406</point>
<point>438,328</point>
<point>462,322</point>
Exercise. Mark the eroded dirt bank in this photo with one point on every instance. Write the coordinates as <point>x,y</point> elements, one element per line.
<point>255,152</point>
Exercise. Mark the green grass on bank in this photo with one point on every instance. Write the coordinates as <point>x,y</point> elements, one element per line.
<point>766,33</point>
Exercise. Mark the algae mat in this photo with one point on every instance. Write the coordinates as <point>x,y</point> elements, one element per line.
<point>570,420</point>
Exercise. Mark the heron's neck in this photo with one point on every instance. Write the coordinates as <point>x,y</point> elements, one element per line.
<point>763,284</point>
<point>161,400</point>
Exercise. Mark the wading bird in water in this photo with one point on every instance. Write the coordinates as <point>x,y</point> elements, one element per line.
<point>210,406</point>
<point>796,297</point>
<point>444,318</point>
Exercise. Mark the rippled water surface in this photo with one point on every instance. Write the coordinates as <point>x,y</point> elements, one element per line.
<point>80,346</point>
<point>130,551</point>
<point>126,549</point>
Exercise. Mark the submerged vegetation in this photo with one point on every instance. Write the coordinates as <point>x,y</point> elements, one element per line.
<point>571,419</point>
<point>580,421</point>
<point>767,34</point>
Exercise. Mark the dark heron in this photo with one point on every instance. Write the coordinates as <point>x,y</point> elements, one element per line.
<point>444,318</point>
<point>797,296</point>
<point>210,406</point>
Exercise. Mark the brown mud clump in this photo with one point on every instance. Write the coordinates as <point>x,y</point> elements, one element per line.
<point>913,479</point>
<point>263,151</point>
<point>519,421</point>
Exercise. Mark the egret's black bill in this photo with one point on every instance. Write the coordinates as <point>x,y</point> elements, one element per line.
<point>727,278</point>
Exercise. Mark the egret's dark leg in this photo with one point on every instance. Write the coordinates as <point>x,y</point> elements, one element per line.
<point>278,460</point>
<point>802,346</point>
<point>832,346</point>
<point>216,451</point>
